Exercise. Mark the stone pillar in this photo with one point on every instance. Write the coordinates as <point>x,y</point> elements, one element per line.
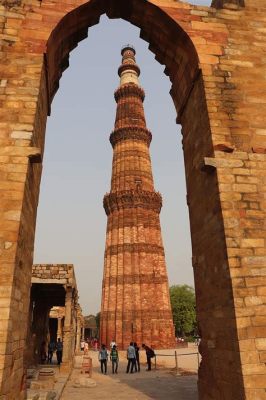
<point>78,332</point>
<point>40,327</point>
<point>67,330</point>
<point>59,328</point>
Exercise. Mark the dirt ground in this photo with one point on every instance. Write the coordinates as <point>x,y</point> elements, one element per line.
<point>162,383</point>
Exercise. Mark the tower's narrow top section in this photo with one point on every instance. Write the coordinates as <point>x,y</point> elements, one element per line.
<point>128,71</point>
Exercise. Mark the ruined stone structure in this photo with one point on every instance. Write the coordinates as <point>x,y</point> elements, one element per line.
<point>54,310</point>
<point>90,327</point>
<point>215,60</point>
<point>135,295</point>
<point>58,314</point>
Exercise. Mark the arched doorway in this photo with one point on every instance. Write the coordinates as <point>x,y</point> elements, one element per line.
<point>170,29</point>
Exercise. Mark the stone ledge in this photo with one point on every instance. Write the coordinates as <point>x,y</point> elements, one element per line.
<point>132,199</point>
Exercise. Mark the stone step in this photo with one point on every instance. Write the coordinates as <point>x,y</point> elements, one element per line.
<point>32,395</point>
<point>41,395</point>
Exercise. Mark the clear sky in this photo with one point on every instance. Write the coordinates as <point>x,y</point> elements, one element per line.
<point>71,221</point>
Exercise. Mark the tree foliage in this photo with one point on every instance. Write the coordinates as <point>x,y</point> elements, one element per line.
<point>183,304</point>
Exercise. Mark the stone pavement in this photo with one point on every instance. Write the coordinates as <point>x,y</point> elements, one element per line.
<point>159,384</point>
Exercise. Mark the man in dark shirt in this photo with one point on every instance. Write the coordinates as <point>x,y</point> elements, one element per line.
<point>59,351</point>
<point>137,364</point>
<point>51,349</point>
<point>149,354</point>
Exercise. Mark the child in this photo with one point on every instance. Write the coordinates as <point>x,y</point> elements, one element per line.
<point>114,358</point>
<point>103,357</point>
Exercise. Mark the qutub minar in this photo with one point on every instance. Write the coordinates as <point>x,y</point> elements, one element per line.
<point>135,294</point>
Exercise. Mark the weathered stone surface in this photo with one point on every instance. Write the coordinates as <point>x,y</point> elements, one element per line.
<point>231,4</point>
<point>54,296</point>
<point>84,382</point>
<point>31,395</point>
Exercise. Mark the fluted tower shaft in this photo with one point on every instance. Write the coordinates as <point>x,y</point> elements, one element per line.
<point>135,294</point>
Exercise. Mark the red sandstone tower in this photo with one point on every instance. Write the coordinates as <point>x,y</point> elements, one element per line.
<point>135,295</point>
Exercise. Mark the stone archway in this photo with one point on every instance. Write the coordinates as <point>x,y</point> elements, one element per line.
<point>212,62</point>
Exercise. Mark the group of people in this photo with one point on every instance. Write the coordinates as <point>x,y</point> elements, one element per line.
<point>85,345</point>
<point>53,347</point>
<point>133,363</point>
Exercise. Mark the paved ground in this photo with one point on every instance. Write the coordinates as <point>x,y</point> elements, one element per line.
<point>154,385</point>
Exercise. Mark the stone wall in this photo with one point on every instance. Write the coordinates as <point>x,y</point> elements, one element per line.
<point>215,59</point>
<point>63,272</point>
<point>54,293</point>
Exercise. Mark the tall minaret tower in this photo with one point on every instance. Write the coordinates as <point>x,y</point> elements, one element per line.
<point>135,294</point>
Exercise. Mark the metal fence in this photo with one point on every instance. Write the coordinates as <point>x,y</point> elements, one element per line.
<point>176,356</point>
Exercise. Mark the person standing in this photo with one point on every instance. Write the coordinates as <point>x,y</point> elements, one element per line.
<point>131,358</point>
<point>112,344</point>
<point>137,363</point>
<point>43,354</point>
<point>86,348</point>
<point>51,349</point>
<point>103,357</point>
<point>149,354</point>
<point>59,351</point>
<point>114,358</point>
<point>82,345</point>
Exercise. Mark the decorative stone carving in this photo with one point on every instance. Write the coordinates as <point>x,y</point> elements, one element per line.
<point>131,199</point>
<point>137,279</point>
<point>10,3</point>
<point>130,133</point>
<point>127,315</point>
<point>129,90</point>
<point>134,248</point>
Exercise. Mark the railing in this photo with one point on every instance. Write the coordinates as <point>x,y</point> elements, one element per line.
<point>176,355</point>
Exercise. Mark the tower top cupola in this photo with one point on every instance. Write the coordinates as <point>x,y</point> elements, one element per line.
<point>128,71</point>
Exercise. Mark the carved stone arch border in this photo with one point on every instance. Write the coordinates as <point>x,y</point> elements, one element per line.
<point>156,28</point>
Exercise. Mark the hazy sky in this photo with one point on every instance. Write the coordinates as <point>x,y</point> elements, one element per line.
<point>71,221</point>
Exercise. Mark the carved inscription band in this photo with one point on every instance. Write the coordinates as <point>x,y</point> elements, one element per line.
<point>134,314</point>
<point>130,133</point>
<point>134,248</point>
<point>132,199</point>
<point>127,223</point>
<point>129,90</point>
<point>130,153</point>
<point>134,278</point>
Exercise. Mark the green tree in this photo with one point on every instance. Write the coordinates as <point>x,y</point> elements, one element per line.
<point>183,304</point>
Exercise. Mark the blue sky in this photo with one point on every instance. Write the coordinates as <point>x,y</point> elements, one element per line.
<point>71,221</point>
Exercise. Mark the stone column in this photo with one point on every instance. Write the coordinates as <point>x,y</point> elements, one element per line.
<point>78,332</point>
<point>59,328</point>
<point>40,327</point>
<point>67,330</point>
